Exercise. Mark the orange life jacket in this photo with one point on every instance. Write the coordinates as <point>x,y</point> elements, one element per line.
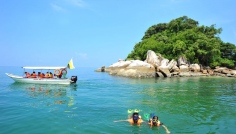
<point>131,121</point>
<point>40,75</point>
<point>33,75</point>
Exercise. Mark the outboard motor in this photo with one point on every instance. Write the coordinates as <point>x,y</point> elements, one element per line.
<point>73,79</point>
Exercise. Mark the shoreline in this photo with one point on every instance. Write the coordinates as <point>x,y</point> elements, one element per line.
<point>158,66</point>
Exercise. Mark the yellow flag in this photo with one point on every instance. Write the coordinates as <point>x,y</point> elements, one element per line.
<point>70,64</point>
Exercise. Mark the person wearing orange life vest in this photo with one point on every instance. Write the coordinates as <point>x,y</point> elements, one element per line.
<point>43,75</point>
<point>40,75</point>
<point>155,122</point>
<point>135,119</point>
<point>33,75</point>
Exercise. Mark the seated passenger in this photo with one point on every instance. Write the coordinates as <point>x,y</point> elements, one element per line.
<point>27,75</point>
<point>33,75</point>
<point>43,75</point>
<point>50,75</point>
<point>40,75</point>
<point>46,75</point>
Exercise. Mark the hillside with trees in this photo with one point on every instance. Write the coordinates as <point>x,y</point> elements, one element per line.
<point>184,37</point>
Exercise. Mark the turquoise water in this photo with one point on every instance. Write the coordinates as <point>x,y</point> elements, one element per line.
<point>194,105</point>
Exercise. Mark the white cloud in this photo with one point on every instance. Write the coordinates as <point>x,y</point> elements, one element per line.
<point>56,7</point>
<point>65,5</point>
<point>78,3</point>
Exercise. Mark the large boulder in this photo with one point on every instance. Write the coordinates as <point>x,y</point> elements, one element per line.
<point>139,63</point>
<point>194,67</point>
<point>164,63</point>
<point>182,61</point>
<point>133,68</point>
<point>159,74</point>
<point>184,68</point>
<point>225,71</point>
<point>210,71</point>
<point>153,59</point>
<point>165,72</point>
<point>175,69</point>
<point>220,69</point>
<point>172,64</point>
<point>233,72</point>
<point>204,71</point>
<point>137,72</point>
<point>121,63</point>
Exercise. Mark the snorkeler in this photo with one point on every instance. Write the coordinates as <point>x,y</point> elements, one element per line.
<point>155,122</point>
<point>134,119</point>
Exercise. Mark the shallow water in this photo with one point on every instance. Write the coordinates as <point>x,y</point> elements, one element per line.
<point>185,105</point>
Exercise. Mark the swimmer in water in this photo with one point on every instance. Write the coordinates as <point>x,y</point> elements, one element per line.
<point>134,119</point>
<point>155,122</point>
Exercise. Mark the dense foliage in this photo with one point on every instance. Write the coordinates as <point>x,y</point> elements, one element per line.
<point>184,37</point>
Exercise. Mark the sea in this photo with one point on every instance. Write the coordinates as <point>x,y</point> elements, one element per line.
<point>186,105</point>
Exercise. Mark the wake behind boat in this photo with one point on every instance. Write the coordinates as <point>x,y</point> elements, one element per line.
<point>59,76</point>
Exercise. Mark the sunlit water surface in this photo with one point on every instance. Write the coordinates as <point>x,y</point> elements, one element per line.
<point>195,105</point>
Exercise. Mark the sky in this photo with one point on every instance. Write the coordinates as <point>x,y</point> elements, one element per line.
<point>95,33</point>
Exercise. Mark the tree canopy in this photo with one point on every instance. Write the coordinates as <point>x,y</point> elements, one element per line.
<point>184,37</point>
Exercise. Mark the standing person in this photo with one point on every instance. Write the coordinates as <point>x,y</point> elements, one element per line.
<point>155,122</point>
<point>134,119</point>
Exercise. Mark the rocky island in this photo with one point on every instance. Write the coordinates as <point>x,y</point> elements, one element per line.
<point>194,51</point>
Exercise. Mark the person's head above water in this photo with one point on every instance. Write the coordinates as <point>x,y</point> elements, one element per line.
<point>135,117</point>
<point>155,118</point>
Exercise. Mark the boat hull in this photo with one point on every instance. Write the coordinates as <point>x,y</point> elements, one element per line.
<point>39,80</point>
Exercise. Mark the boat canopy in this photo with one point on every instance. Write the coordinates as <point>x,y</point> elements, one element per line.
<point>43,68</point>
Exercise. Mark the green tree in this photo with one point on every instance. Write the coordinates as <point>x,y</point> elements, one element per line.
<point>183,36</point>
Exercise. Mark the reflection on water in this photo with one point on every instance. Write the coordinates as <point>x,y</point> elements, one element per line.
<point>47,94</point>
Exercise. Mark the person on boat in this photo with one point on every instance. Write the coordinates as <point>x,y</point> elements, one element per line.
<point>60,75</point>
<point>63,73</point>
<point>27,74</point>
<point>46,75</point>
<point>40,75</point>
<point>155,122</point>
<point>50,75</point>
<point>43,75</point>
<point>55,76</point>
<point>33,75</point>
<point>135,119</point>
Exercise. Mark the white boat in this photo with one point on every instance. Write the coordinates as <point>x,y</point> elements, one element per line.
<point>40,80</point>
